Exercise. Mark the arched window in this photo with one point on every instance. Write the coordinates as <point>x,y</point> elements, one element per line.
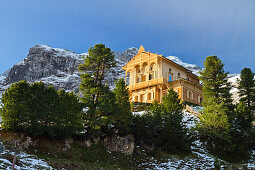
<point>152,72</point>
<point>144,71</point>
<point>137,73</point>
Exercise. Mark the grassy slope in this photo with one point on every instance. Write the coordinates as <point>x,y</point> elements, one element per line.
<point>81,157</point>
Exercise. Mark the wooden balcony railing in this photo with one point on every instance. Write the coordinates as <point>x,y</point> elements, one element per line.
<point>147,83</point>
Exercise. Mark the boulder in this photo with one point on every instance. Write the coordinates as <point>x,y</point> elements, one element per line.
<point>117,143</point>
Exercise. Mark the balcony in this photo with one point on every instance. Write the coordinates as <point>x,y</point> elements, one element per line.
<point>145,84</point>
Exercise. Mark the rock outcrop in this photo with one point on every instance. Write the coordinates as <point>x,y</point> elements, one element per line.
<point>123,144</point>
<point>58,67</point>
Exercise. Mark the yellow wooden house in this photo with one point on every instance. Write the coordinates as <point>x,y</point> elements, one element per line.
<point>149,76</point>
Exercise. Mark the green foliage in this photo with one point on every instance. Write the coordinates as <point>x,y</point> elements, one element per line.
<point>215,84</point>
<point>222,128</point>
<point>214,116</point>
<point>162,125</point>
<point>243,117</point>
<point>123,118</point>
<point>213,128</point>
<point>97,97</point>
<point>39,110</point>
<point>246,87</point>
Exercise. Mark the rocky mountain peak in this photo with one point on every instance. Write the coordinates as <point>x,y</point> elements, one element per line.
<point>58,67</point>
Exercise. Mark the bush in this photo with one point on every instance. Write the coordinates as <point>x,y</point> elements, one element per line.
<point>39,110</point>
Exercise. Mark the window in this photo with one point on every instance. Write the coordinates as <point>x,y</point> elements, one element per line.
<point>149,96</point>
<point>136,98</point>
<point>170,78</point>
<point>150,76</point>
<point>179,74</point>
<point>143,78</point>
<point>188,79</point>
<point>141,98</point>
<point>137,80</point>
<point>192,96</point>
<point>170,69</point>
<point>200,99</point>
<point>187,94</point>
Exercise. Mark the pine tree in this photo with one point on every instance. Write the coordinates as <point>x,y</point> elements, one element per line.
<point>244,118</point>
<point>15,110</point>
<point>162,125</point>
<point>246,87</point>
<point>215,83</point>
<point>174,135</point>
<point>221,125</point>
<point>215,121</point>
<point>39,110</point>
<point>92,86</point>
<point>123,118</point>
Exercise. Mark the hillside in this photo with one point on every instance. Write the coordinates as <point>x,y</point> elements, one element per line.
<point>58,67</point>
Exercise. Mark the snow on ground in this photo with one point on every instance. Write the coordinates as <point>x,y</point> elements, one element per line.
<point>24,161</point>
<point>139,113</point>
<point>199,159</point>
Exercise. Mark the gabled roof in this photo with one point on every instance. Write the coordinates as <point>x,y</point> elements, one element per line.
<point>141,49</point>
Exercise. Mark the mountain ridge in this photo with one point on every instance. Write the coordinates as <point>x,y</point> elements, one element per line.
<point>58,67</point>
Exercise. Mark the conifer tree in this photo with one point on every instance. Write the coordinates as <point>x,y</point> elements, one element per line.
<point>162,125</point>
<point>215,83</point>
<point>214,127</point>
<point>39,110</point>
<point>173,135</point>
<point>221,127</point>
<point>124,116</point>
<point>94,91</point>
<point>246,87</point>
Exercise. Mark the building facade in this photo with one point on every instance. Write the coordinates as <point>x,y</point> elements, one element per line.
<point>149,76</point>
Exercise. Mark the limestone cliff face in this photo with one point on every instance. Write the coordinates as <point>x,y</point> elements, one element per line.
<point>58,67</point>
<point>43,61</point>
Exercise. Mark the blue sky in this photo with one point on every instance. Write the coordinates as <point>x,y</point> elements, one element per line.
<point>190,29</point>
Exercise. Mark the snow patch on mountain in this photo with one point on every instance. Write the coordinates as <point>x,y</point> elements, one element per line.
<point>233,79</point>
<point>192,67</point>
<point>60,52</point>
